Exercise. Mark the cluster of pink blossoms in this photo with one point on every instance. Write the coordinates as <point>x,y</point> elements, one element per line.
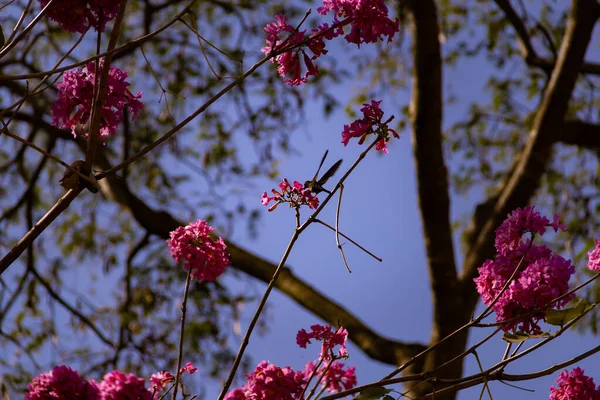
<point>207,259</point>
<point>73,107</point>
<point>268,381</point>
<point>296,195</point>
<point>542,276</point>
<point>80,15</point>
<point>594,257</point>
<point>371,123</point>
<point>64,383</point>
<point>574,385</point>
<point>328,337</point>
<point>334,377</point>
<point>369,22</point>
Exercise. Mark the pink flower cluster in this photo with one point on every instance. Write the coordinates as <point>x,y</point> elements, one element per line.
<point>64,383</point>
<point>329,338</point>
<point>594,257</point>
<point>80,15</point>
<point>269,381</point>
<point>297,195</point>
<point>76,94</point>
<point>333,377</point>
<point>368,20</point>
<point>574,385</point>
<point>371,123</point>
<point>161,379</point>
<point>542,276</point>
<point>519,222</point>
<point>288,63</point>
<point>207,259</point>
<point>117,385</point>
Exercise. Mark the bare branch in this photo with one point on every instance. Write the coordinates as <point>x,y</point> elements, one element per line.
<point>529,54</point>
<point>580,133</point>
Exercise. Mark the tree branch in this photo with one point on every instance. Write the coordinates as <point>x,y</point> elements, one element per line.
<point>548,128</point>
<point>580,133</point>
<point>529,54</point>
<point>432,180</point>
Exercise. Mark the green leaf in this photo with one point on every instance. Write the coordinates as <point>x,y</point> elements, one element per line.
<point>515,337</point>
<point>373,393</point>
<point>562,317</point>
<point>521,336</point>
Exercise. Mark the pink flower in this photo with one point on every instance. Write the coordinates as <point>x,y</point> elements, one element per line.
<point>509,233</point>
<point>80,15</point>
<point>556,225</point>
<point>273,29</point>
<point>594,257</point>
<point>207,259</point>
<point>75,96</point>
<point>296,195</point>
<point>189,367</point>
<point>160,380</point>
<point>574,385</point>
<point>334,378</point>
<point>270,382</point>
<point>381,146</point>
<point>288,63</point>
<point>369,19</point>
<point>61,383</point>
<point>119,386</point>
<point>326,335</point>
<point>371,123</point>
<point>542,275</point>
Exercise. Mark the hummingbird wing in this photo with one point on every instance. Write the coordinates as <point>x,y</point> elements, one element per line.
<point>314,179</point>
<point>330,172</point>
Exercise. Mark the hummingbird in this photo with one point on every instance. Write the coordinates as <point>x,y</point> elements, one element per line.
<point>71,180</point>
<point>316,184</point>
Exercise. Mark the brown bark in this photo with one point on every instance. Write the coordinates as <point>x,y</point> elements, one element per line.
<point>433,187</point>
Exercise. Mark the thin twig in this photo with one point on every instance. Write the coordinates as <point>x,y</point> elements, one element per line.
<point>259,309</point>
<point>28,93</point>
<point>321,377</point>
<point>325,224</point>
<point>85,320</point>
<point>19,22</point>
<point>337,227</point>
<point>485,384</point>
<point>33,22</point>
<point>26,142</point>
<point>94,132</point>
<point>312,375</point>
<point>61,205</point>
<point>126,46</point>
<point>183,312</point>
